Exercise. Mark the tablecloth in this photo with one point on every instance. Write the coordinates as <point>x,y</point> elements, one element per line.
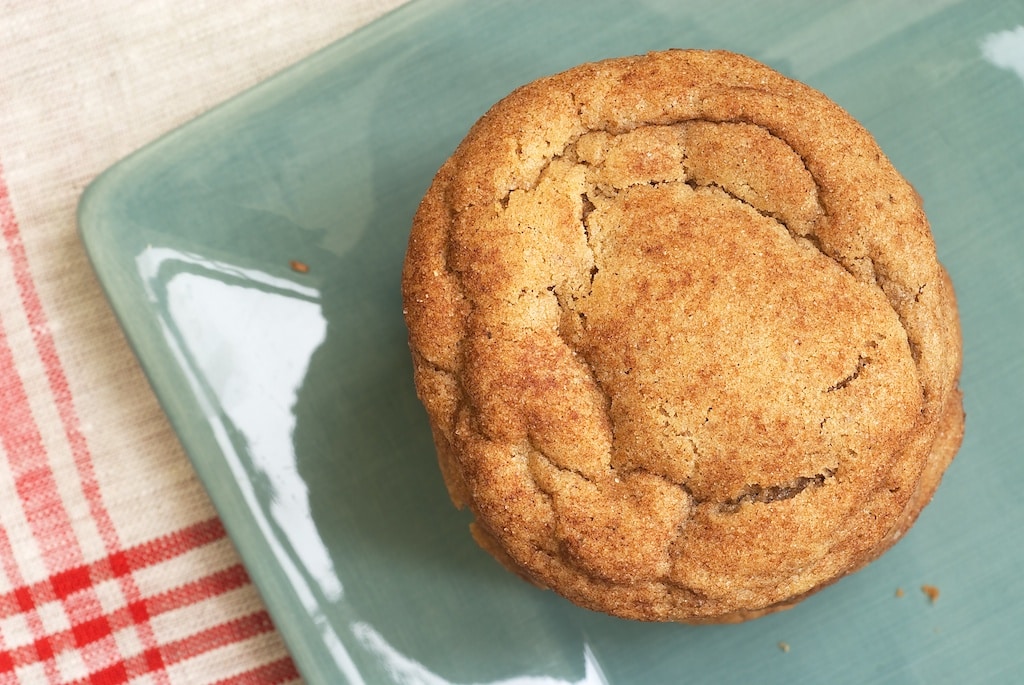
<point>115,567</point>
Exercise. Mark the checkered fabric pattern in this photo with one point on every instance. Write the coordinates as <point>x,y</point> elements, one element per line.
<point>114,567</point>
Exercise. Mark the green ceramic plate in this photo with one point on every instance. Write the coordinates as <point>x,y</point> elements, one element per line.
<point>292,393</point>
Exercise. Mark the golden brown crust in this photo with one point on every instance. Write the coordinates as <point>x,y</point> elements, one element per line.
<point>682,336</point>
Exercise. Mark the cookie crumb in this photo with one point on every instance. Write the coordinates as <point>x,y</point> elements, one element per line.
<point>784,646</point>
<point>931,591</point>
<point>899,592</point>
<point>299,267</point>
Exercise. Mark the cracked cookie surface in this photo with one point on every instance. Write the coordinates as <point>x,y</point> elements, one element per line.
<point>682,337</point>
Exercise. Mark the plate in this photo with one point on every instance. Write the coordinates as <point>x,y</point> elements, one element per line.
<point>253,259</point>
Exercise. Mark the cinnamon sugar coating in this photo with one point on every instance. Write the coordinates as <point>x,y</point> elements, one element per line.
<point>682,337</point>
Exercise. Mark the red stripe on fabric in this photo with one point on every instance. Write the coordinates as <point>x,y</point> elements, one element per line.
<point>216,584</point>
<point>8,661</point>
<point>24,598</point>
<point>274,673</point>
<point>158,658</point>
<point>175,544</point>
<point>34,482</point>
<point>88,632</point>
<point>111,675</point>
<point>61,391</point>
<point>37,489</point>
<point>218,636</point>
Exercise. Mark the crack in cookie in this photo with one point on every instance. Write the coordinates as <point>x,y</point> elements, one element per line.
<point>756,493</point>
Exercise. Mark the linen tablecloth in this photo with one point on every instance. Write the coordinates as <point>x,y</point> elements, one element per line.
<point>115,567</point>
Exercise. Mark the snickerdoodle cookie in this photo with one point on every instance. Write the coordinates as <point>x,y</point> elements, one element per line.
<point>682,337</point>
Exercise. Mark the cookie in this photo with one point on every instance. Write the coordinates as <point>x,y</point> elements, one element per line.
<point>682,336</point>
